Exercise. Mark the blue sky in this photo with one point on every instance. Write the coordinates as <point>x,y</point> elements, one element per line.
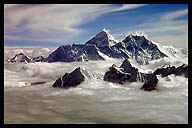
<point>54,25</point>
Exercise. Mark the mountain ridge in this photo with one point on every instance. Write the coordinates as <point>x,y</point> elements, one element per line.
<point>103,45</point>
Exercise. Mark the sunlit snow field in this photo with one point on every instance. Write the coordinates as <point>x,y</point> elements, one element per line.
<point>93,101</point>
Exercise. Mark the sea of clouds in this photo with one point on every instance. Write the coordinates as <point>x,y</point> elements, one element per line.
<point>95,100</point>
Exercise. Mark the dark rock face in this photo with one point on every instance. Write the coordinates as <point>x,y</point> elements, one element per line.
<point>61,54</point>
<point>151,84</point>
<point>20,57</point>
<point>117,76</point>
<point>137,47</point>
<point>75,52</point>
<point>38,59</point>
<point>126,66</point>
<point>37,83</point>
<point>137,44</point>
<point>91,52</point>
<point>181,70</point>
<point>127,73</point>
<point>114,52</point>
<point>68,80</point>
<point>102,39</point>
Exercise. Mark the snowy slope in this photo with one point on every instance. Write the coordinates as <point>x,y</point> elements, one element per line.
<point>102,46</point>
<point>102,39</point>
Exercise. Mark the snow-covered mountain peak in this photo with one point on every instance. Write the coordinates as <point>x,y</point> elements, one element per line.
<point>20,57</point>
<point>137,36</point>
<point>138,41</point>
<point>103,46</point>
<point>102,39</point>
<point>106,31</point>
<point>103,34</point>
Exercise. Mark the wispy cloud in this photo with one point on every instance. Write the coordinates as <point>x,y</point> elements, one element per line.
<point>180,41</point>
<point>173,15</point>
<point>128,6</point>
<point>55,23</point>
<point>164,29</point>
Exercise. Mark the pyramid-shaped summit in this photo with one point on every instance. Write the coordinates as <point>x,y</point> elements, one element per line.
<point>103,39</point>
<point>142,48</point>
<point>103,46</point>
<point>136,40</point>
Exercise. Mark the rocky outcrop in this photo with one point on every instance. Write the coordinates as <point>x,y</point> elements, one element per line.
<point>136,47</point>
<point>68,80</point>
<point>116,75</point>
<point>151,84</point>
<point>38,59</point>
<point>104,45</point>
<point>127,73</point>
<point>75,52</point>
<point>37,83</point>
<point>20,57</point>
<point>142,49</point>
<point>181,70</point>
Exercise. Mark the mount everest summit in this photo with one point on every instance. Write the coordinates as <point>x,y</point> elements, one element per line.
<point>103,46</point>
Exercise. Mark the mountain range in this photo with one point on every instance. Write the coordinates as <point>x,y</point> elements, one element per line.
<point>104,45</point>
